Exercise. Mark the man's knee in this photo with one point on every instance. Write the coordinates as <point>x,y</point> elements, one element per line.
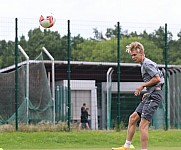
<point>134,118</point>
<point>144,124</point>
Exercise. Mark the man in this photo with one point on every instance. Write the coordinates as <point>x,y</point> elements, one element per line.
<point>88,117</point>
<point>84,120</point>
<point>153,82</point>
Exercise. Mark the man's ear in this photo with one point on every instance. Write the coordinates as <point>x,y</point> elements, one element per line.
<point>141,52</point>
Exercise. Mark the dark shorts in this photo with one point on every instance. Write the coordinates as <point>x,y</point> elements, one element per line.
<point>84,120</point>
<point>149,105</point>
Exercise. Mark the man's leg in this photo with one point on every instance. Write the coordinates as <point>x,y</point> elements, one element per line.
<point>150,106</point>
<point>144,125</point>
<point>87,125</point>
<point>80,126</point>
<point>130,132</point>
<point>131,128</point>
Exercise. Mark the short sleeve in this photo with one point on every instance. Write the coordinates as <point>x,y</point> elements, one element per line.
<point>151,69</point>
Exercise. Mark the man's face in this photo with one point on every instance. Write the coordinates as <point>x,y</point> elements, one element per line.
<point>136,56</point>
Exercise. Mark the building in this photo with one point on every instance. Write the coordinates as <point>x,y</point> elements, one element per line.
<point>89,83</point>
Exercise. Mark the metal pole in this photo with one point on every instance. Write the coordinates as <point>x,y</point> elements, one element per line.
<point>68,71</point>
<point>118,62</point>
<point>53,80</point>
<point>57,104</point>
<point>16,71</point>
<point>108,86</point>
<point>27,81</point>
<point>166,76</point>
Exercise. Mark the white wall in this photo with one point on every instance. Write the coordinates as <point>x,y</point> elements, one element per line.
<point>84,91</point>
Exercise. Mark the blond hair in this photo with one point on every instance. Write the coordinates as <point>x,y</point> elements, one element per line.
<point>135,46</point>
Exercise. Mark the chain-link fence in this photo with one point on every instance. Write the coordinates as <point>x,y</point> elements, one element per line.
<point>94,67</point>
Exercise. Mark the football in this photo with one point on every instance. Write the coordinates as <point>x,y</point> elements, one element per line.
<point>47,22</point>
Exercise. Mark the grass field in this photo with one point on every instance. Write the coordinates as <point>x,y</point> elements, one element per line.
<point>86,140</point>
<point>153,148</point>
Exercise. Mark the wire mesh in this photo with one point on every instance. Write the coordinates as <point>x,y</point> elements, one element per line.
<point>93,42</point>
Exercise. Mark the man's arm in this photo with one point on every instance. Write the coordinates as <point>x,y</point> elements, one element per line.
<point>155,79</point>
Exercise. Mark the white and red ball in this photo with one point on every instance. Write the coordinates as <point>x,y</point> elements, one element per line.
<point>47,22</point>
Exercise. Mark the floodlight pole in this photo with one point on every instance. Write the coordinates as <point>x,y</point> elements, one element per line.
<point>27,81</point>
<point>53,80</point>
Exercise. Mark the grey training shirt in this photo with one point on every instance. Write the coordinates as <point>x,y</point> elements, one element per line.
<point>150,69</point>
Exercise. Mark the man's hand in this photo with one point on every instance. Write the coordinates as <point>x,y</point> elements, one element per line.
<point>138,90</point>
<point>144,95</point>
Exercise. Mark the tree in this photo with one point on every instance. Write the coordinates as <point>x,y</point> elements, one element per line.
<point>174,52</point>
<point>106,50</point>
<point>6,53</point>
<point>97,35</point>
<point>76,40</point>
<point>100,48</point>
<point>51,40</point>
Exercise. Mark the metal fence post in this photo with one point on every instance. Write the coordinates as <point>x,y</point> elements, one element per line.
<point>16,72</point>
<point>118,63</point>
<point>68,71</point>
<point>166,76</point>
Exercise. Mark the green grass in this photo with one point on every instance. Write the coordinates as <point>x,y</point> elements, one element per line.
<point>86,140</point>
<point>152,148</point>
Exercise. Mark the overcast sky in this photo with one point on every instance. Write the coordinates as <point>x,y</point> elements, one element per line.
<point>132,11</point>
<point>154,11</point>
